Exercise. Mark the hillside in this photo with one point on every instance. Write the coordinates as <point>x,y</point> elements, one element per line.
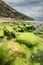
<point>9,12</point>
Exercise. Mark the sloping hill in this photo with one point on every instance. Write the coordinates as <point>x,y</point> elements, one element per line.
<point>7,11</point>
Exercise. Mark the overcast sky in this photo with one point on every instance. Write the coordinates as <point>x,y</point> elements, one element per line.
<point>32,8</point>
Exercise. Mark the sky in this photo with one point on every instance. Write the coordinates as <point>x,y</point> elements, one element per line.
<point>32,8</point>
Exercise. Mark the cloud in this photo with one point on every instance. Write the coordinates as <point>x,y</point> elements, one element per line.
<point>14,1</point>
<point>23,2</point>
<point>33,11</point>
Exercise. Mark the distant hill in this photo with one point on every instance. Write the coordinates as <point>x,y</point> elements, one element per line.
<point>9,12</point>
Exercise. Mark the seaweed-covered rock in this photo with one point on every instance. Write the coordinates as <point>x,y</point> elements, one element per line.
<point>21,60</point>
<point>30,28</point>
<point>27,52</point>
<point>16,33</point>
<point>37,54</point>
<point>40,32</point>
<point>9,50</point>
<point>20,28</point>
<point>18,61</point>
<point>8,30</point>
<point>36,63</point>
<point>28,39</point>
<point>35,44</point>
<point>1,33</point>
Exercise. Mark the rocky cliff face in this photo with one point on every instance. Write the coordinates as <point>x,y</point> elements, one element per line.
<point>7,11</point>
